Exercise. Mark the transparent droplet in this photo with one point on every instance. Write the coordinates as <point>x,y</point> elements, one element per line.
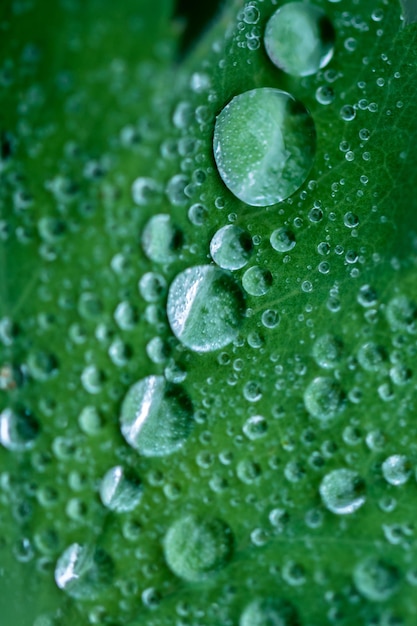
<point>161,239</point>
<point>231,247</point>
<point>282,240</point>
<point>204,308</point>
<point>18,429</point>
<point>156,417</point>
<point>120,492</point>
<point>401,314</point>
<point>396,469</point>
<point>327,351</point>
<point>257,281</point>
<point>145,190</point>
<point>270,318</point>
<point>264,145</point>
<point>342,491</point>
<point>324,399</point>
<point>299,38</point>
<point>255,427</point>
<point>83,571</point>
<point>376,579</point>
<point>152,287</point>
<point>196,546</point>
<point>324,95</point>
<point>90,421</point>
<point>269,612</point>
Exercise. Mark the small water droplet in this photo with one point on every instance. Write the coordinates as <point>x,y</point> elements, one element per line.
<point>342,491</point>
<point>257,281</point>
<point>231,247</point>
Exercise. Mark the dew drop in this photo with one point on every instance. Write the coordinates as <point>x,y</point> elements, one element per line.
<point>196,546</point>
<point>83,571</point>
<point>324,399</point>
<point>204,308</point>
<point>327,351</point>
<point>269,612</point>
<point>264,145</point>
<point>119,492</point>
<point>375,579</point>
<point>396,469</point>
<point>155,417</point>
<point>161,239</point>
<point>18,429</point>
<point>299,38</point>
<point>257,281</point>
<point>282,240</point>
<point>231,247</point>
<point>342,491</point>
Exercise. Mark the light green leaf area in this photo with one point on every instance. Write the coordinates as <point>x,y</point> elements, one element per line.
<point>263,468</point>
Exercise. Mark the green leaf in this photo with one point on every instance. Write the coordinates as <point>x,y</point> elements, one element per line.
<point>258,417</point>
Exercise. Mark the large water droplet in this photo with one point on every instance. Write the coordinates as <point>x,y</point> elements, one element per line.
<point>156,417</point>
<point>120,492</point>
<point>264,145</point>
<point>231,247</point>
<point>196,546</point>
<point>342,491</point>
<point>83,571</point>
<point>204,308</point>
<point>299,38</point>
<point>375,579</point>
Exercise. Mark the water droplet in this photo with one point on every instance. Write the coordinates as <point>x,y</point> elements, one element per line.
<point>342,491</point>
<point>257,281</point>
<point>375,579</point>
<point>197,214</point>
<point>324,95</point>
<point>327,351</point>
<point>264,145</point>
<point>155,417</point>
<point>145,190</point>
<point>324,399</point>
<point>401,314</point>
<point>152,287</point>
<point>299,38</point>
<point>269,612</point>
<point>18,429</point>
<point>204,308</point>
<point>231,247</point>
<point>120,492</point>
<point>282,240</point>
<point>255,427</point>
<point>396,469</point>
<point>195,546</point>
<point>371,356</point>
<point>83,571</point>
<point>161,239</point>
<point>270,318</point>
<point>90,421</point>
